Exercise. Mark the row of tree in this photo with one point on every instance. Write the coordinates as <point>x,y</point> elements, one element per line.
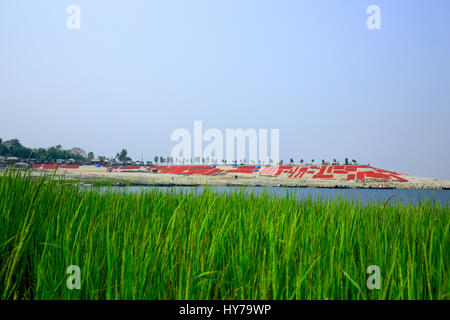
<point>346,161</point>
<point>13,148</point>
<point>172,160</point>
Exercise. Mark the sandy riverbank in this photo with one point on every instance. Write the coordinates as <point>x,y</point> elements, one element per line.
<point>145,177</point>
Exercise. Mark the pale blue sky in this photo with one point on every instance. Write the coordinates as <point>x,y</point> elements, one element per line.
<point>137,70</point>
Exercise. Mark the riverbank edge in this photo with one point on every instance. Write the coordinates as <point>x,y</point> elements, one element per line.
<point>167,180</point>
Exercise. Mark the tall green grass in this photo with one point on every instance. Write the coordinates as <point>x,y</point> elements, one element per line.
<point>174,245</point>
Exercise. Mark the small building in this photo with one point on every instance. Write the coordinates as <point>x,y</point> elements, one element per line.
<point>95,162</point>
<point>12,160</point>
<point>21,165</point>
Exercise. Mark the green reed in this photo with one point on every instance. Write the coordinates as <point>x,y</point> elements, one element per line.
<point>186,245</point>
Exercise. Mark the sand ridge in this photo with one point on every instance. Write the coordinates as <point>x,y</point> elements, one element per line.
<point>228,177</point>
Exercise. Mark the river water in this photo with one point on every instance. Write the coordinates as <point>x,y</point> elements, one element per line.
<point>364,195</point>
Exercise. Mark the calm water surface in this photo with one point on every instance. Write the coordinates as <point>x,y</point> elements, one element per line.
<point>364,195</point>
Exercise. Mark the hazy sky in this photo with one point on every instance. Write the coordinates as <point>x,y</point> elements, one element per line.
<point>137,70</point>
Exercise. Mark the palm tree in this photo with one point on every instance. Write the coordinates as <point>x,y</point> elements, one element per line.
<point>312,160</point>
<point>301,161</point>
<point>291,161</point>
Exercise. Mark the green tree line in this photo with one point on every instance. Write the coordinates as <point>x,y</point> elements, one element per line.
<point>13,148</point>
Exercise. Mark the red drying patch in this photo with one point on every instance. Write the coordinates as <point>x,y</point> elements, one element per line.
<point>69,166</point>
<point>37,166</point>
<point>301,172</point>
<point>376,175</point>
<point>49,166</point>
<point>382,170</point>
<point>175,170</point>
<point>268,171</point>
<point>154,167</point>
<point>188,170</point>
<point>213,171</point>
<point>323,176</point>
<point>246,167</point>
<point>360,175</point>
<point>199,167</point>
<point>171,169</point>
<point>293,172</point>
<point>322,169</point>
<point>239,170</point>
<point>355,168</point>
<point>397,177</point>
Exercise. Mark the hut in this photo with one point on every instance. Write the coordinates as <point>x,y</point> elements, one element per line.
<point>21,165</point>
<point>12,160</point>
